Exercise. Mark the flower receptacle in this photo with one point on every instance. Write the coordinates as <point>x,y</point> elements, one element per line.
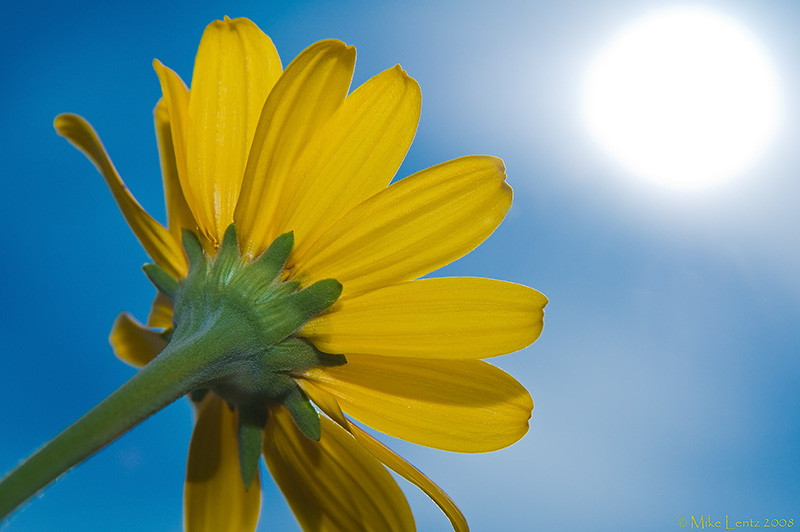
<point>245,317</point>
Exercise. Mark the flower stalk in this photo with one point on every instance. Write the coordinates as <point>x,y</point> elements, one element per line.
<point>234,333</point>
<point>179,369</point>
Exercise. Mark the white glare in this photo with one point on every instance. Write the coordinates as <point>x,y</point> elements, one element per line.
<point>684,97</point>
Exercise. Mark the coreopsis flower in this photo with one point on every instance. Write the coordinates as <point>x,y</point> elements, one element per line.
<point>288,252</point>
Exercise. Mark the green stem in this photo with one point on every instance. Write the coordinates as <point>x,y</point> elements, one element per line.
<point>180,368</point>
<point>234,324</point>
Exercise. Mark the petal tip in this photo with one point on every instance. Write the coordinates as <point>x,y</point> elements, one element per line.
<point>68,125</point>
<point>405,75</point>
<point>507,190</point>
<point>493,162</point>
<point>335,47</point>
<point>60,121</point>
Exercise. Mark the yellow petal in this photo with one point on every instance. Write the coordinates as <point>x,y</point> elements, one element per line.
<point>235,68</point>
<point>327,403</point>
<point>156,241</point>
<point>214,496</point>
<point>133,343</point>
<point>456,317</point>
<point>175,103</point>
<point>160,312</point>
<point>465,406</point>
<point>354,156</point>
<point>415,226</point>
<point>305,96</point>
<point>179,215</point>
<point>334,484</point>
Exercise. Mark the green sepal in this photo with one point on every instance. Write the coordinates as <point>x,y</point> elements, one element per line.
<point>316,298</point>
<point>251,423</point>
<point>282,289</point>
<point>194,251</point>
<point>227,258</point>
<point>270,263</point>
<point>296,354</point>
<point>165,283</point>
<point>250,315</point>
<point>303,413</point>
<point>289,313</point>
<point>251,382</point>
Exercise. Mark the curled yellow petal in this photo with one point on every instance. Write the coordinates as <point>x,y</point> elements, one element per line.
<point>353,156</point>
<point>334,484</point>
<point>305,96</point>
<point>413,227</point>
<point>456,405</point>
<point>214,496</point>
<point>133,343</point>
<point>179,215</point>
<point>156,241</point>
<point>235,68</point>
<point>457,318</point>
<point>327,403</point>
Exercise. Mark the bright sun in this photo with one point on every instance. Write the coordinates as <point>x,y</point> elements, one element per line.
<point>684,97</point>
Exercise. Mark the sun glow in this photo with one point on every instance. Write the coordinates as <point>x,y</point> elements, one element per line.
<point>685,97</point>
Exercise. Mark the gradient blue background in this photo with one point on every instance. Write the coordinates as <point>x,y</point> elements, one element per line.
<point>667,380</point>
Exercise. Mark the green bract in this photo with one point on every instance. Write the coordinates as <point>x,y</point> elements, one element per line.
<point>250,316</point>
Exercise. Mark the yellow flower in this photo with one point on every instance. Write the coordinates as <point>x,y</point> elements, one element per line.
<point>277,151</point>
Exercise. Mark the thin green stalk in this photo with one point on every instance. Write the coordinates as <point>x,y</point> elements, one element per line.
<point>234,333</point>
<point>179,369</point>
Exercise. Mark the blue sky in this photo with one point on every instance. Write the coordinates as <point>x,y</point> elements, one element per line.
<point>667,379</point>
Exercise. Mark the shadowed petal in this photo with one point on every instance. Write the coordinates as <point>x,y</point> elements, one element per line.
<point>415,226</point>
<point>156,241</point>
<point>334,484</point>
<point>456,317</point>
<point>305,96</point>
<point>327,403</point>
<point>133,343</point>
<point>160,316</point>
<point>455,405</point>
<point>214,496</point>
<point>235,68</point>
